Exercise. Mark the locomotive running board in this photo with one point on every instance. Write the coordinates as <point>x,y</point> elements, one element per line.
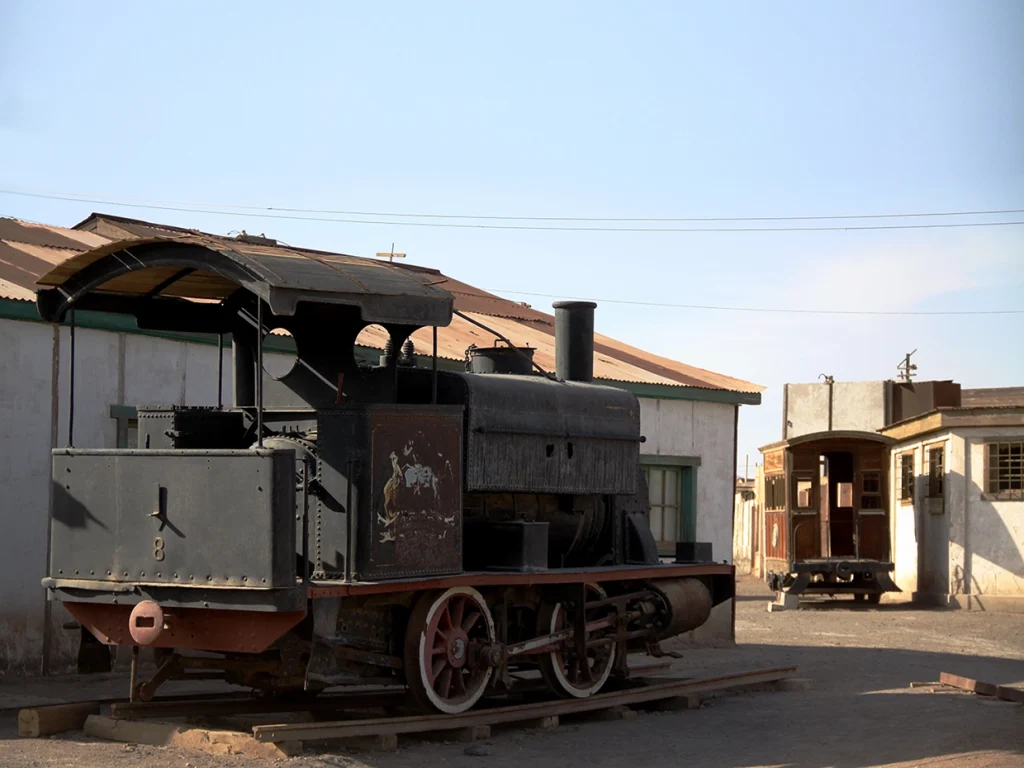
<point>343,729</point>
<point>505,578</point>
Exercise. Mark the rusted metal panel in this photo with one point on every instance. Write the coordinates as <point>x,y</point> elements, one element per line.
<point>776,533</point>
<point>415,494</point>
<point>773,461</point>
<point>195,628</point>
<point>46,236</point>
<point>405,494</point>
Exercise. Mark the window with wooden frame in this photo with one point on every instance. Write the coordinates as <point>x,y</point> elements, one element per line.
<point>935,459</point>
<point>1004,471</point>
<point>802,494</point>
<point>775,492</point>
<point>672,497</point>
<point>906,477</point>
<point>871,492</point>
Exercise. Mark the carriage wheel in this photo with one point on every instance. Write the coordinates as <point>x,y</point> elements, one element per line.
<point>562,670</point>
<point>445,629</point>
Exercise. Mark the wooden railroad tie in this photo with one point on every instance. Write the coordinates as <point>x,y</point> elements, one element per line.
<point>286,739</point>
<point>1003,692</point>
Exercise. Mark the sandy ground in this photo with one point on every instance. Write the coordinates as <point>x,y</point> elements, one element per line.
<point>861,711</point>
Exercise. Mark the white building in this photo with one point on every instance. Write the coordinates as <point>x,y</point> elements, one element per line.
<point>957,506</point>
<point>956,484</point>
<point>688,415</point>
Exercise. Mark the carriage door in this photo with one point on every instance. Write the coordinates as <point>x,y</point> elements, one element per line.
<point>872,520</point>
<point>837,499</point>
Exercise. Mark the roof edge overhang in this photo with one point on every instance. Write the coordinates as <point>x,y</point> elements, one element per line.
<point>841,434</point>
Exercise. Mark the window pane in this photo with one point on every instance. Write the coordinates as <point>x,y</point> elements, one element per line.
<point>803,493</point>
<point>656,527</point>
<point>655,486</point>
<point>671,487</point>
<point>671,532</point>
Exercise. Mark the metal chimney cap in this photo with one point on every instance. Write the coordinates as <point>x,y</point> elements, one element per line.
<point>575,305</point>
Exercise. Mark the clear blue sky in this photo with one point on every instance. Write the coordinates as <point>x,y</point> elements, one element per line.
<point>574,109</point>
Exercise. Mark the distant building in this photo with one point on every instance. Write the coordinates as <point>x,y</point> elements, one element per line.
<point>951,488</point>
<point>688,415</point>
<point>957,501</point>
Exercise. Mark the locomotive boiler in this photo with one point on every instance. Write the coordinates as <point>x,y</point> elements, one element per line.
<point>345,522</point>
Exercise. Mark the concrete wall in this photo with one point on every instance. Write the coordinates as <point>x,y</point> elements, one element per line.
<point>968,551</point>
<point>856,405</point>
<point>704,430</point>
<point>110,368</point>
<point>743,531</point>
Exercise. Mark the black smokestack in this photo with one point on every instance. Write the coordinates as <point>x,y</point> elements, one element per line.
<point>574,340</point>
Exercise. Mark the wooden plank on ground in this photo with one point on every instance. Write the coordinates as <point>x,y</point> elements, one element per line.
<point>200,739</point>
<point>1008,693</point>
<point>967,684</point>
<point>46,721</point>
<point>512,714</point>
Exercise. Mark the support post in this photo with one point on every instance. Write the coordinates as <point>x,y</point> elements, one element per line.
<point>433,375</point>
<point>220,369</point>
<point>259,371</point>
<point>71,386</point>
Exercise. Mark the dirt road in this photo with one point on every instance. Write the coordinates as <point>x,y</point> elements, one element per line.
<point>861,711</point>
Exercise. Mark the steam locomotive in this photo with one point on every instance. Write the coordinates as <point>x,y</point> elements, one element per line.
<point>347,523</point>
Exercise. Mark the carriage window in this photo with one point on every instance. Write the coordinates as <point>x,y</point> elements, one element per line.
<point>775,492</point>
<point>803,494</point>
<point>1004,476</point>
<point>907,478</point>
<point>871,493</point>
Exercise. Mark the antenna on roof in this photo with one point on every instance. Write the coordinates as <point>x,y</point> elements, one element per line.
<point>391,256</point>
<point>906,368</point>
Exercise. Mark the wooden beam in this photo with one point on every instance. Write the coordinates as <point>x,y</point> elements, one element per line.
<point>46,721</point>
<point>544,712</point>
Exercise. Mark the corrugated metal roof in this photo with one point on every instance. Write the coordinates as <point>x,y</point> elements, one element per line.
<point>32,245</point>
<point>28,250</point>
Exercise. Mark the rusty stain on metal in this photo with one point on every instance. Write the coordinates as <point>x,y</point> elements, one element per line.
<point>194,628</point>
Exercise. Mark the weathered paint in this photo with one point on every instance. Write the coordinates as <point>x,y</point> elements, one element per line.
<point>856,406</point>
<point>972,553</point>
<point>110,368</point>
<point>703,430</point>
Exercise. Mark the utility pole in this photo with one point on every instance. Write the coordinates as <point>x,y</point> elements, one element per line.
<point>906,368</point>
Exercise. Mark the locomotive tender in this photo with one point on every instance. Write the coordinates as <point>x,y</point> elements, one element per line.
<point>346,523</point>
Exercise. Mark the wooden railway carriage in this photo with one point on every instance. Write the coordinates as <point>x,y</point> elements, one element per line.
<point>345,523</point>
<point>826,521</point>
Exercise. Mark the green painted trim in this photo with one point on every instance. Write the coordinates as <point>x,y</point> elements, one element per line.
<point>15,309</point>
<point>688,505</point>
<point>665,392</point>
<point>123,411</point>
<point>652,460</point>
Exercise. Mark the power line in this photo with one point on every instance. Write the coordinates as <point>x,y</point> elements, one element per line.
<point>773,310</point>
<point>85,198</point>
<point>547,228</point>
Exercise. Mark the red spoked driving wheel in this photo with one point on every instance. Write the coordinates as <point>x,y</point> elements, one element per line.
<point>445,634</point>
